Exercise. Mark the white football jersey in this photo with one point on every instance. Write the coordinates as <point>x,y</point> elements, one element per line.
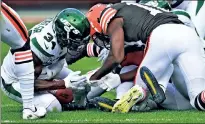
<point>44,43</point>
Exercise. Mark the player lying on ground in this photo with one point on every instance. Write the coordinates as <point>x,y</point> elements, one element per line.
<point>14,33</point>
<point>160,51</point>
<point>51,40</point>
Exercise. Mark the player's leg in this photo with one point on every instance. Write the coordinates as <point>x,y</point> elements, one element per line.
<point>45,99</point>
<point>179,81</point>
<point>197,10</point>
<point>11,90</point>
<point>175,100</point>
<point>14,33</point>
<point>192,53</point>
<point>13,30</point>
<point>165,46</point>
<point>154,59</point>
<point>124,86</point>
<point>194,77</point>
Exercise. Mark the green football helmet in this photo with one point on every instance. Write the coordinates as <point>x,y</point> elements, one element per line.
<point>72,29</point>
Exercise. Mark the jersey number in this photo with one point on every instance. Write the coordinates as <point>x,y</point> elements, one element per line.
<point>49,37</point>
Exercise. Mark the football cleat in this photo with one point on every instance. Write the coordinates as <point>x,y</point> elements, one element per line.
<point>128,100</point>
<point>39,112</point>
<point>101,103</point>
<point>152,84</point>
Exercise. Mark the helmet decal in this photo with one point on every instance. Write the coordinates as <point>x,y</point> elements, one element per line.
<point>68,27</point>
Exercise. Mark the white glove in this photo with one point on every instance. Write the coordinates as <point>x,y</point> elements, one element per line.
<point>110,81</point>
<point>103,55</point>
<point>75,81</point>
<point>39,112</point>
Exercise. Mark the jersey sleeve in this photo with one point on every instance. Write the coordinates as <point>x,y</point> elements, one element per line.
<point>92,50</point>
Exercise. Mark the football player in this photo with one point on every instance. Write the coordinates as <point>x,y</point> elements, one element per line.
<point>51,40</point>
<point>160,52</point>
<point>14,34</point>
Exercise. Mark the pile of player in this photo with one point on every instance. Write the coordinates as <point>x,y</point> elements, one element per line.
<point>152,56</point>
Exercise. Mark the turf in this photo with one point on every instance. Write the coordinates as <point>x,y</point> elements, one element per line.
<point>11,110</point>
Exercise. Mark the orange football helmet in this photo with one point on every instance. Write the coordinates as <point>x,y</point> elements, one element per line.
<point>93,16</point>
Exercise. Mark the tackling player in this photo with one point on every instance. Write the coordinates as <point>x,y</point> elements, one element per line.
<point>15,34</point>
<point>132,28</point>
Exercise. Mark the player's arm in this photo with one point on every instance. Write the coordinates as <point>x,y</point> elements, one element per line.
<point>116,55</point>
<point>73,81</point>
<point>45,85</point>
<point>37,65</point>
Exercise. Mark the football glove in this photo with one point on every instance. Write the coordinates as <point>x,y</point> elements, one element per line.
<point>110,81</point>
<point>103,55</point>
<point>75,81</point>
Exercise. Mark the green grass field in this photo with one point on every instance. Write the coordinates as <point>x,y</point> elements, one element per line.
<point>11,110</point>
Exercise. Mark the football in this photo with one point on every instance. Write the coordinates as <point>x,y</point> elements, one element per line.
<point>64,96</point>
